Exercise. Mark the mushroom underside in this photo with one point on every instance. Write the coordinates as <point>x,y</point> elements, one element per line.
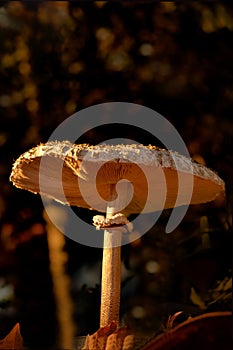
<point>88,184</point>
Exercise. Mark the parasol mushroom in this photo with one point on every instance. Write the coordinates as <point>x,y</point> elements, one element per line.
<point>153,172</point>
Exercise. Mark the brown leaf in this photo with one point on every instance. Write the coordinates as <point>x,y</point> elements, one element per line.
<point>116,340</point>
<point>110,338</point>
<point>210,331</point>
<point>13,340</point>
<point>128,342</point>
<point>97,341</point>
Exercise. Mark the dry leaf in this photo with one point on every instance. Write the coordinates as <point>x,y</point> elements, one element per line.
<point>97,341</point>
<point>196,299</point>
<point>128,342</point>
<point>110,338</point>
<point>13,340</point>
<point>210,331</point>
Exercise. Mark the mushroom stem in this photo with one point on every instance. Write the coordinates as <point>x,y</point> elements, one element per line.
<point>111,278</point>
<point>111,271</point>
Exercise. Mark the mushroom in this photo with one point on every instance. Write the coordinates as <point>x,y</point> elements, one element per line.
<point>160,178</point>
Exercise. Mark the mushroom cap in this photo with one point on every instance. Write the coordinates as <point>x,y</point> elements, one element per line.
<point>148,168</point>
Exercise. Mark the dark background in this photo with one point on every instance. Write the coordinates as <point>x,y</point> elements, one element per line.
<point>57,58</point>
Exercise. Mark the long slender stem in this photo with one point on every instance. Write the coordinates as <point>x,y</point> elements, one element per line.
<point>111,278</point>
<point>111,272</point>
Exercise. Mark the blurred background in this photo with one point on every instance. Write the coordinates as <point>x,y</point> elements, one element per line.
<point>57,58</point>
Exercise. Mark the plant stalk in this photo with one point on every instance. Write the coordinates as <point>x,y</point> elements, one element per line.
<point>111,266</point>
